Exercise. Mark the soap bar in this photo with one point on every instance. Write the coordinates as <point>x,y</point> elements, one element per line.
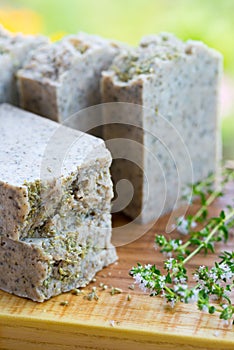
<point>39,268</point>
<point>176,85</point>
<point>53,179</point>
<point>14,50</point>
<point>64,78</point>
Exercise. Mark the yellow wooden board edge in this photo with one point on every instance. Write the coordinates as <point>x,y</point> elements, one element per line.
<point>33,334</point>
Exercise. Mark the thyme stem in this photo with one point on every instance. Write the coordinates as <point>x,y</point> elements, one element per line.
<point>212,233</point>
<point>216,281</point>
<point>208,202</point>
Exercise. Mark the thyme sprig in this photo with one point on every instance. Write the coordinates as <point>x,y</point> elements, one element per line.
<point>216,230</point>
<point>204,191</point>
<point>212,284</point>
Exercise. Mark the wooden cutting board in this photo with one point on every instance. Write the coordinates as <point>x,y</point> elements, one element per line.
<point>113,322</point>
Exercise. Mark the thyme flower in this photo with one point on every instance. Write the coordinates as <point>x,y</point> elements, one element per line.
<point>212,284</point>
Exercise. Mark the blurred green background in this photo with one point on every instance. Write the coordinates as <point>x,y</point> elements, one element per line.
<point>209,20</point>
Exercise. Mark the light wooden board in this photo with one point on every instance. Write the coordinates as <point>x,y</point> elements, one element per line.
<point>113,322</point>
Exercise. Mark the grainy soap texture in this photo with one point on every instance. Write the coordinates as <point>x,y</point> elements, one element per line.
<point>14,49</point>
<point>39,268</point>
<point>55,194</point>
<point>177,84</point>
<point>63,78</point>
<point>42,190</point>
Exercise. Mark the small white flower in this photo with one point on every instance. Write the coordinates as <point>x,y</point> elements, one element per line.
<point>138,278</point>
<point>175,270</point>
<point>148,266</point>
<point>194,296</point>
<point>180,289</point>
<point>144,282</point>
<point>172,303</point>
<point>201,284</point>
<point>196,277</point>
<point>169,263</point>
<point>161,280</point>
<point>182,280</point>
<point>201,268</point>
<point>174,244</point>
<point>182,292</point>
<point>213,275</point>
<point>142,287</point>
<point>182,225</point>
<point>184,286</point>
<point>205,308</point>
<point>227,273</point>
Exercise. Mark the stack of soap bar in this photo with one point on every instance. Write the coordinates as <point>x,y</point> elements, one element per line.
<point>55,194</point>
<point>63,78</point>
<point>177,84</point>
<point>14,50</point>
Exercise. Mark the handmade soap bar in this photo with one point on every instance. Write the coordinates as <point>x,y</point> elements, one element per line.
<point>63,78</point>
<point>53,179</point>
<point>177,85</point>
<point>14,49</point>
<point>39,268</point>
<point>55,193</point>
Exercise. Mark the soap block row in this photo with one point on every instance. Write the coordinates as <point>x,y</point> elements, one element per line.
<point>178,81</point>
<point>54,80</point>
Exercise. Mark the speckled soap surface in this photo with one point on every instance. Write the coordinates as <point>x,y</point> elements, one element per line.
<point>177,86</point>
<point>39,269</point>
<point>53,179</point>
<point>55,201</point>
<point>25,144</point>
<point>63,78</point>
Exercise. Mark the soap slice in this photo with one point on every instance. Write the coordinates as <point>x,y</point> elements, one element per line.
<point>14,50</point>
<point>41,268</point>
<point>63,78</point>
<point>177,85</point>
<point>53,179</point>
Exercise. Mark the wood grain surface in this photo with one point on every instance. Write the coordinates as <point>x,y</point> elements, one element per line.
<point>113,322</point>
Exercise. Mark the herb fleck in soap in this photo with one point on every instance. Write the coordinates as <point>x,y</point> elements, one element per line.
<point>177,85</point>
<point>64,77</point>
<point>55,221</point>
